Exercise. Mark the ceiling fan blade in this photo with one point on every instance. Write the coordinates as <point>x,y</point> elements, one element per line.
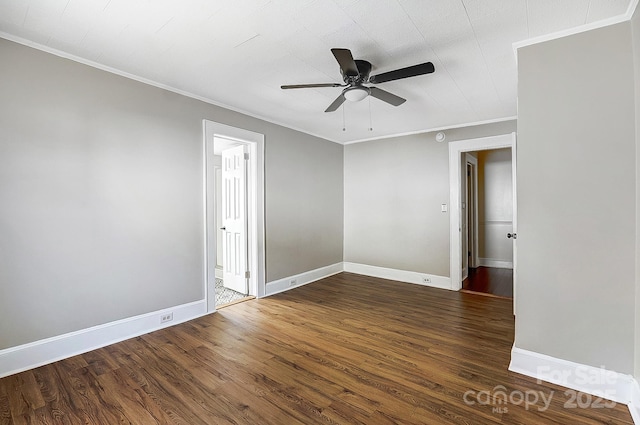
<point>347,64</point>
<point>398,74</point>
<point>307,86</point>
<point>336,103</point>
<point>385,96</point>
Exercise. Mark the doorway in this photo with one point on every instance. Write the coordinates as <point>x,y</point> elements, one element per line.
<point>466,226</point>
<point>487,204</point>
<point>234,215</point>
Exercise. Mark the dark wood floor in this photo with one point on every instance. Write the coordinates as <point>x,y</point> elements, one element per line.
<point>490,280</point>
<point>344,350</point>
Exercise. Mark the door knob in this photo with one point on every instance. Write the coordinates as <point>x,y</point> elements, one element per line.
<point>225,228</point>
<point>512,235</point>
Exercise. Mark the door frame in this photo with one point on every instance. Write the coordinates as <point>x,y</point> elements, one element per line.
<point>472,226</point>
<point>256,219</point>
<point>469,218</point>
<point>456,149</point>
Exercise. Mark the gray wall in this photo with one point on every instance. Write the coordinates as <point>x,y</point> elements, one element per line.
<point>304,205</point>
<point>393,189</point>
<point>576,199</point>
<point>495,205</point>
<point>101,196</point>
<point>635,28</point>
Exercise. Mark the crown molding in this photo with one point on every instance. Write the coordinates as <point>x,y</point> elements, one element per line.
<point>580,29</point>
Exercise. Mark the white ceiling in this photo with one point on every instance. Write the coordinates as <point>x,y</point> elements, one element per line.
<point>237,53</point>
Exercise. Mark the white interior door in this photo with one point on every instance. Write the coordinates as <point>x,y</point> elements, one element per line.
<point>234,214</point>
<point>219,263</point>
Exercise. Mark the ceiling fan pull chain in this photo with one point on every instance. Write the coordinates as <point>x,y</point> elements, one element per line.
<point>344,125</point>
<point>370,121</point>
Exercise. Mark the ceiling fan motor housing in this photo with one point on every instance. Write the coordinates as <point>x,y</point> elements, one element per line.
<point>364,69</point>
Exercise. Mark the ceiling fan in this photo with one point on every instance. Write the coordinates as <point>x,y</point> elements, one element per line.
<point>355,73</point>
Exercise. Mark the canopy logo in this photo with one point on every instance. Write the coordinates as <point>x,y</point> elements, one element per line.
<point>499,398</point>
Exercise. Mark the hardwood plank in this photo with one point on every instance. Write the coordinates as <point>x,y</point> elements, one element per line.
<point>136,404</point>
<point>169,389</point>
<point>348,349</point>
<point>491,281</point>
<point>246,385</point>
<point>58,407</point>
<point>151,392</point>
<point>24,398</point>
<point>98,361</point>
<point>5,408</point>
<point>89,400</point>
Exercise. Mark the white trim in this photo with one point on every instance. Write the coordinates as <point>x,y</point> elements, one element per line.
<point>475,259</point>
<point>38,353</point>
<point>570,31</point>
<point>207,190</point>
<point>597,381</point>
<point>634,402</point>
<point>499,264</point>
<point>577,30</point>
<point>281,285</point>
<point>416,278</point>
<point>455,235</point>
<point>431,130</point>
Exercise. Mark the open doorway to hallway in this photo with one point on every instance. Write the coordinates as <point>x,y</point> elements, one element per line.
<point>457,175</point>
<point>486,220</point>
<point>234,214</point>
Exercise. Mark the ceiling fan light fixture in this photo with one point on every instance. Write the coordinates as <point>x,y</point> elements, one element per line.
<point>356,94</point>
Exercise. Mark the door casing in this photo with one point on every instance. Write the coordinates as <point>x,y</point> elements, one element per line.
<point>256,219</point>
<point>471,162</point>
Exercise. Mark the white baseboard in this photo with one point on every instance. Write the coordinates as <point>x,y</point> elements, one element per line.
<point>596,381</point>
<point>38,353</point>
<point>284,284</point>
<point>400,275</point>
<point>634,403</point>
<point>489,262</point>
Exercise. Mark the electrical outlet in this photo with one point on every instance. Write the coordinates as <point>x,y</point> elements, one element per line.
<point>293,282</point>
<point>426,280</point>
<point>167,317</point>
